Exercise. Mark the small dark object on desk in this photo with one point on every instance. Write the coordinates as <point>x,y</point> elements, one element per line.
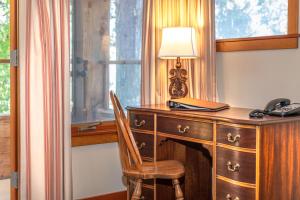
<point>257,114</point>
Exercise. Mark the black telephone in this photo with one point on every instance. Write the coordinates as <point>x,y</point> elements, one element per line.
<point>278,107</point>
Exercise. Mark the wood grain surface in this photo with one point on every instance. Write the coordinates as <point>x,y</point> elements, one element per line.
<point>231,115</point>
<point>246,172</point>
<point>4,147</point>
<point>186,128</point>
<point>280,162</point>
<point>247,137</point>
<point>225,188</point>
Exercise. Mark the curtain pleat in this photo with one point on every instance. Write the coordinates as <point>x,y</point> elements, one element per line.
<point>155,72</point>
<point>45,136</point>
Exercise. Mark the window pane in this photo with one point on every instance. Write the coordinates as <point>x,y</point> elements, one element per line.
<point>125,29</point>
<point>4,89</point>
<point>106,37</point>
<point>251,18</point>
<point>125,80</point>
<point>4,29</point>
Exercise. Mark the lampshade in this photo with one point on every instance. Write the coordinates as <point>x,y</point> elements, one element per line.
<point>178,42</point>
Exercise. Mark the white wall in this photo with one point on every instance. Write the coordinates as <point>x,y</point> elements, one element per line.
<point>96,170</point>
<point>252,78</point>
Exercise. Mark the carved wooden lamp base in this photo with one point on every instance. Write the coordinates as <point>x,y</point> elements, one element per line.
<point>178,87</point>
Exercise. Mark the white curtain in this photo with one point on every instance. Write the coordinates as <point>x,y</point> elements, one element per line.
<point>45,136</point>
<point>155,72</point>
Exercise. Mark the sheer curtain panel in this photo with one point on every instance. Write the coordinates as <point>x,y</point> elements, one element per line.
<point>201,72</point>
<point>45,137</point>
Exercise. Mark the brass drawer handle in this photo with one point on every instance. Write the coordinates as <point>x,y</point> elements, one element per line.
<point>233,168</point>
<point>184,130</point>
<point>232,139</point>
<point>139,124</point>
<point>141,146</point>
<point>228,197</point>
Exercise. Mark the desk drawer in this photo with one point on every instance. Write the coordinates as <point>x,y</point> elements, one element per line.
<point>188,128</point>
<point>142,121</point>
<point>228,191</point>
<point>235,136</point>
<point>145,144</point>
<point>239,166</point>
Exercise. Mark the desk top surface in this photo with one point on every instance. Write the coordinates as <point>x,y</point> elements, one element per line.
<point>232,115</point>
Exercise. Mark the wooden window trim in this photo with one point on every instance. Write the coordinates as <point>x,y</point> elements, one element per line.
<point>4,61</point>
<point>94,133</point>
<point>289,41</point>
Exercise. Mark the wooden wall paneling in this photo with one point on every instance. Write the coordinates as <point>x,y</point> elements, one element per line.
<point>166,149</point>
<point>197,160</point>
<point>279,161</point>
<point>198,177</point>
<point>5,149</point>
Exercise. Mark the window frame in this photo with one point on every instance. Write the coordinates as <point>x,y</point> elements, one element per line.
<point>98,132</point>
<point>289,41</point>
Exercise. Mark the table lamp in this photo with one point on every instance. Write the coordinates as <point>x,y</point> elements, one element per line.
<point>178,42</point>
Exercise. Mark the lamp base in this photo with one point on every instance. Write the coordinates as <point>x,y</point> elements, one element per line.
<point>178,87</point>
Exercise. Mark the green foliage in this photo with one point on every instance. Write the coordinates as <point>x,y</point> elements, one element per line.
<point>250,18</point>
<point>4,54</point>
<point>4,88</point>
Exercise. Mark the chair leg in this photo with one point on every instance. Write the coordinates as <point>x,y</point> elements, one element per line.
<point>137,190</point>
<point>178,191</point>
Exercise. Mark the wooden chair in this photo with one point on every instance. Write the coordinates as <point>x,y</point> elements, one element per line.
<point>132,164</point>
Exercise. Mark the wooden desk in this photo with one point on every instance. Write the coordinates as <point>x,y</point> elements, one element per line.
<point>227,155</point>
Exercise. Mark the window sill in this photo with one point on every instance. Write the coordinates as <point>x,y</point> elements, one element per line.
<point>87,134</point>
<point>259,43</point>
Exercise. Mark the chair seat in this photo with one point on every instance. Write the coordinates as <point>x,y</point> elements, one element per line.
<point>167,169</point>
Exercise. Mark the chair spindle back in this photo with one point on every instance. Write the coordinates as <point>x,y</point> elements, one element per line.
<point>129,153</point>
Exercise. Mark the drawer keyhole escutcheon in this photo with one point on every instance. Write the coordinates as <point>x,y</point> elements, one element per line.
<point>233,139</point>
<point>183,130</point>
<point>233,168</point>
<point>141,146</point>
<point>139,124</point>
<point>228,197</point>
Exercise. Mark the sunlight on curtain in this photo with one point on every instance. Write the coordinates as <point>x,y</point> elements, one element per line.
<point>201,72</point>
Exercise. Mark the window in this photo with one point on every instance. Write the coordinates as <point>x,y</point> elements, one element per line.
<point>4,92</point>
<point>106,55</point>
<point>256,24</point>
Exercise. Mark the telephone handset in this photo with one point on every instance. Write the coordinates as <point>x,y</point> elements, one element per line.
<point>277,107</point>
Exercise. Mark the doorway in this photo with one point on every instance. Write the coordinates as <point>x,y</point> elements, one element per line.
<point>8,100</point>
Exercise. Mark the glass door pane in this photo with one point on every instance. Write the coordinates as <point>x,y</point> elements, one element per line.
<point>5,166</point>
